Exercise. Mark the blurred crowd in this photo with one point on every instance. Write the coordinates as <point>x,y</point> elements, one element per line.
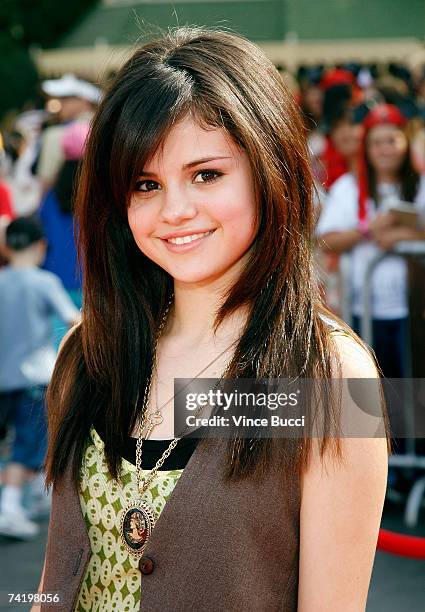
<point>366,137</point>
<point>40,284</point>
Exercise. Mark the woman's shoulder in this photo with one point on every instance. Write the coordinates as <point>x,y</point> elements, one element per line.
<point>355,358</point>
<point>361,412</point>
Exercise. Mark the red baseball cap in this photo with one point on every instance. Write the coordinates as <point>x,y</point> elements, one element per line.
<point>337,76</point>
<point>382,114</point>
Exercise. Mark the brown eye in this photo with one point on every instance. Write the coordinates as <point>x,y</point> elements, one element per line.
<point>207,176</point>
<point>146,185</point>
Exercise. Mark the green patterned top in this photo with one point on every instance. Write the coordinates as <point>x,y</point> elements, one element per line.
<point>112,580</point>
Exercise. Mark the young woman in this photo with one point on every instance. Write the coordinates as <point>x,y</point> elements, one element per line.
<point>357,218</point>
<point>195,217</point>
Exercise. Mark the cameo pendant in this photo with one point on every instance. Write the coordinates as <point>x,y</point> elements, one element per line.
<point>137,522</point>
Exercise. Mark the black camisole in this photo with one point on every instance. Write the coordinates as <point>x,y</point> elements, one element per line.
<point>152,450</point>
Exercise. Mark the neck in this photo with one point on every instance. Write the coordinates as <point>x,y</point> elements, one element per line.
<point>23,260</point>
<point>387,177</point>
<point>193,315</point>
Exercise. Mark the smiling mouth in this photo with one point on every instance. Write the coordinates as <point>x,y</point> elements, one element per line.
<point>188,239</point>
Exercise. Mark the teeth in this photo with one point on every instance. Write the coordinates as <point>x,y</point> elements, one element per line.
<point>186,239</point>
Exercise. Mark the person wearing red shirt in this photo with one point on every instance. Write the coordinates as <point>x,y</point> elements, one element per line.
<point>7,214</point>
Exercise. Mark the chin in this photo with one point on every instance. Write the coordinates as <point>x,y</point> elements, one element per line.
<point>199,278</point>
<point>195,279</point>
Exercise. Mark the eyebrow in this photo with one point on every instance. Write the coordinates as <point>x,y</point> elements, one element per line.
<point>196,162</point>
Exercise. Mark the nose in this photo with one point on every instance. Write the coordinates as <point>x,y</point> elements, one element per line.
<point>177,206</point>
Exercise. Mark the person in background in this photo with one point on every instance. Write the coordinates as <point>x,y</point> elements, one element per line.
<point>311,103</point>
<point>7,212</point>
<point>311,96</point>
<point>22,145</point>
<point>338,156</point>
<point>356,219</point>
<point>343,136</point>
<point>6,207</point>
<point>72,99</point>
<point>56,213</point>
<point>28,298</point>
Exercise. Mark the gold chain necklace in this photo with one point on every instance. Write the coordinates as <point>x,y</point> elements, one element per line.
<point>138,517</point>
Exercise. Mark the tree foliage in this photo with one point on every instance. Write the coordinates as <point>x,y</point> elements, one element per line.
<point>28,23</point>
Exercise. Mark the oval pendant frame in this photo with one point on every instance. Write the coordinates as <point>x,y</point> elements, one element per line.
<point>149,517</point>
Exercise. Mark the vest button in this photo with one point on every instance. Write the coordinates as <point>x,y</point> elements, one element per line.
<point>146,565</point>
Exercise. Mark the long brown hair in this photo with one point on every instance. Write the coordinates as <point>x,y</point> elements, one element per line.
<point>224,81</point>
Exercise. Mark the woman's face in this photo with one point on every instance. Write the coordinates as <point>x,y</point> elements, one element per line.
<point>386,148</point>
<point>313,100</point>
<point>133,522</point>
<point>193,207</point>
<point>346,137</point>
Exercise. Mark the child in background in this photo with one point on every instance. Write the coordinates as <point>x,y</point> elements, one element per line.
<point>28,298</point>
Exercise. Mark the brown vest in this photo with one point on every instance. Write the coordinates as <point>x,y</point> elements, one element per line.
<point>216,545</point>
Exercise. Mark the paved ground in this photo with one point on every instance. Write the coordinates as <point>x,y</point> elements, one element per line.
<point>398,584</point>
